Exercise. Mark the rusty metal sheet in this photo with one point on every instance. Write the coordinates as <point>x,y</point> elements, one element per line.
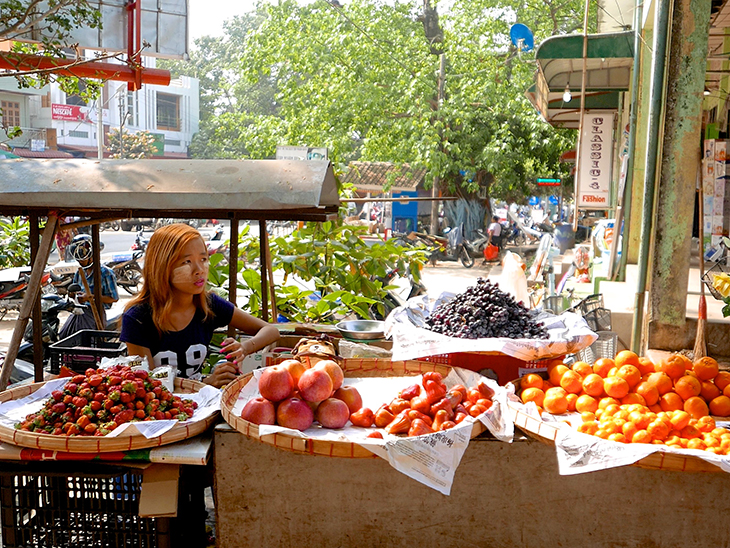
<point>169,185</point>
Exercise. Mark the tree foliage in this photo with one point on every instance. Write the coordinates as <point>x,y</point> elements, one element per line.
<point>362,79</point>
<point>138,145</point>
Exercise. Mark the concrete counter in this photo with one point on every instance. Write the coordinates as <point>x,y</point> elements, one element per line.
<point>503,495</point>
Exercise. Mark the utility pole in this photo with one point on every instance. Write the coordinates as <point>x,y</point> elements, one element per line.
<point>122,118</point>
<point>434,190</point>
<point>99,131</point>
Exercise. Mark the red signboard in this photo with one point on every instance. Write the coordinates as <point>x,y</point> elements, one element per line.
<point>548,184</point>
<point>68,112</point>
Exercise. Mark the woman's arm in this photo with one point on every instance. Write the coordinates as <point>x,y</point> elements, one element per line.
<point>263,334</point>
<point>143,352</point>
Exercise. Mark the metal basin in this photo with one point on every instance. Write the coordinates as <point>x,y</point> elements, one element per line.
<point>362,330</point>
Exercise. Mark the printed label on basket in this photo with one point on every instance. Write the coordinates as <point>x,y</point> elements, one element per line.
<point>431,459</point>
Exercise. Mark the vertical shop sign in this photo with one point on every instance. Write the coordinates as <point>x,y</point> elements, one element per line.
<point>596,159</point>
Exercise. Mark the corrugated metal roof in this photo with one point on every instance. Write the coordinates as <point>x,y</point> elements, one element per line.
<point>27,153</point>
<point>375,175</point>
<point>269,189</point>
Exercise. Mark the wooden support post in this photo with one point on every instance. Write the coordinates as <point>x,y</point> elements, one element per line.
<point>31,296</point>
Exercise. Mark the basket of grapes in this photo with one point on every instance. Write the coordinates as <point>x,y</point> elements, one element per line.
<point>484,328</point>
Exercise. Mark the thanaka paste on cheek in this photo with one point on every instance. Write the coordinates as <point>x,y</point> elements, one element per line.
<point>182,274</point>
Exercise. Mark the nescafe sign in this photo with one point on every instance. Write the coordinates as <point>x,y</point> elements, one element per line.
<point>67,112</point>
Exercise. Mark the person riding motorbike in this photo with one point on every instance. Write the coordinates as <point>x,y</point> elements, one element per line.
<point>81,251</point>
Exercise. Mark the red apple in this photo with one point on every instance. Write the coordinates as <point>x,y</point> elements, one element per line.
<point>294,413</point>
<point>276,383</point>
<point>333,370</point>
<point>350,396</point>
<point>315,385</point>
<point>333,413</point>
<point>295,368</point>
<point>259,411</point>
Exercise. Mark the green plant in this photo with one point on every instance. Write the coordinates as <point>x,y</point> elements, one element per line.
<point>14,242</point>
<point>343,269</point>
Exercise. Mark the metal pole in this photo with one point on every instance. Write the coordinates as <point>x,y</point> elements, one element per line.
<point>656,102</point>
<point>434,190</point>
<point>582,112</point>
<point>632,141</point>
<point>99,131</point>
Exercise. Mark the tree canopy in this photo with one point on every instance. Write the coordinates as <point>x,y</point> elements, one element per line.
<point>363,80</point>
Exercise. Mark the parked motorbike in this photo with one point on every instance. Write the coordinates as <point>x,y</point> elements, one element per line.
<point>452,248</point>
<point>13,283</point>
<point>515,236</point>
<point>111,225</point>
<point>127,270</point>
<point>140,242</point>
<point>396,297</point>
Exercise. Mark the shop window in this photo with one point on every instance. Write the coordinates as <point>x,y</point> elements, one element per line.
<point>168,112</point>
<point>10,113</point>
<point>79,134</point>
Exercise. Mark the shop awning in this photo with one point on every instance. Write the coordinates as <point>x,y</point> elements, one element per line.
<point>609,61</point>
<point>220,189</point>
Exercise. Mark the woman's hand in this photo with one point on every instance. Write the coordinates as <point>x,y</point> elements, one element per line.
<point>233,351</point>
<point>223,373</point>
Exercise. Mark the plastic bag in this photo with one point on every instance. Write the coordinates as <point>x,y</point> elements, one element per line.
<point>513,279</point>
<point>491,252</point>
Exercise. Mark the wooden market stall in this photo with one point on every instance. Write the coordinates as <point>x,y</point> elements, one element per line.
<point>47,191</point>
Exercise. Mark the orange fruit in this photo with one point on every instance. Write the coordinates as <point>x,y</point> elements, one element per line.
<point>589,427</point>
<point>572,382</point>
<point>605,402</point>
<point>615,387</point>
<point>629,429</point>
<point>531,380</point>
<point>571,399</point>
<point>641,420</point>
<point>556,373</point>
<point>696,443</point>
<point>586,416</point>
<point>675,366</point>
<point>586,403</point>
<point>593,384</point>
<point>642,436</point>
<point>602,366</point>
<point>648,391</point>
<point>690,431</point>
<point>555,402</point>
<point>582,368</point>
<point>533,394</point>
<point>658,429</point>
<point>546,385</point>
<point>671,402</point>
<point>696,407</point>
<point>705,424</point>
<point>720,406</point>
<point>611,409</point>
<point>626,357</point>
<point>661,380</point>
<point>706,368</point>
<point>709,391</point>
<point>687,387</point>
<point>629,373</point>
<point>631,398</point>
<point>646,366</point>
<point>680,419</point>
<point>722,379</point>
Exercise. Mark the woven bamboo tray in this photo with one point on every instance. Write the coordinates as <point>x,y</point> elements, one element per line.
<point>546,432</point>
<point>101,444</point>
<point>357,367</point>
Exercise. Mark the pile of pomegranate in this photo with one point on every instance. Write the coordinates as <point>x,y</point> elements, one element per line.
<point>295,397</point>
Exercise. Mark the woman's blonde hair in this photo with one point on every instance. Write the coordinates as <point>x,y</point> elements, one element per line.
<point>163,250</point>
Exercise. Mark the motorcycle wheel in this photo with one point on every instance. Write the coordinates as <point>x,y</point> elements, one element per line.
<point>466,259</point>
<point>131,279</point>
<point>520,239</point>
<point>116,226</point>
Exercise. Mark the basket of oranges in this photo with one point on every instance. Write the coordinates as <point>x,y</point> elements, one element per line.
<point>674,406</point>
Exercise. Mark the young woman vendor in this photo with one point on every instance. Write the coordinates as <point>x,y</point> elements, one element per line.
<point>171,321</point>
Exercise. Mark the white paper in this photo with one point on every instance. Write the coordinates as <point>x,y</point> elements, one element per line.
<point>567,334</point>
<point>208,399</point>
<point>431,459</point>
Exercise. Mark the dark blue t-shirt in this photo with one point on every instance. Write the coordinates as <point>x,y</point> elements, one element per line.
<point>187,348</point>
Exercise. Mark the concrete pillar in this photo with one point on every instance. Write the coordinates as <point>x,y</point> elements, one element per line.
<point>680,162</point>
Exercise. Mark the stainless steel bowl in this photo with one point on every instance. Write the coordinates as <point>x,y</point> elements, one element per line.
<point>362,330</point>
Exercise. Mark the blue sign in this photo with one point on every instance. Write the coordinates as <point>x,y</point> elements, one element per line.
<point>554,200</point>
<point>534,200</point>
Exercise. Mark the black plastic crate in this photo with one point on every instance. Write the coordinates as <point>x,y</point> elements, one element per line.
<point>85,349</point>
<point>64,509</point>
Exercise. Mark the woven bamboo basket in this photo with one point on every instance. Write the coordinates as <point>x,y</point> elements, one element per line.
<point>546,432</point>
<point>102,444</point>
<point>358,367</point>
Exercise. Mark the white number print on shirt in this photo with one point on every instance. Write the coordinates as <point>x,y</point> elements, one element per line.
<point>194,356</point>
